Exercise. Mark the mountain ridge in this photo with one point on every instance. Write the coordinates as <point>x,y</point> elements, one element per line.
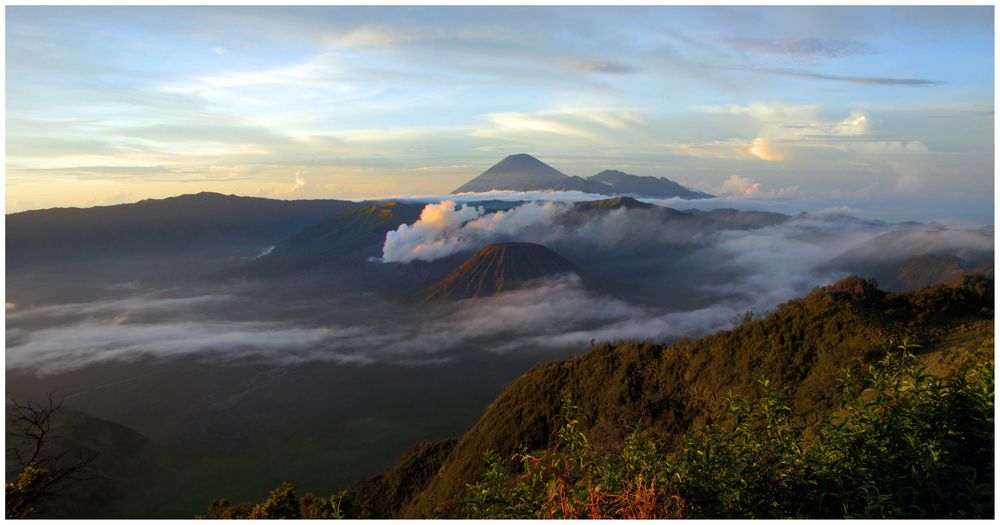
<point>523,172</point>
<point>181,224</point>
<point>674,389</point>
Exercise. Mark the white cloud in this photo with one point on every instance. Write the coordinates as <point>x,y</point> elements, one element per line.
<point>740,186</point>
<point>768,150</point>
<point>732,149</point>
<point>857,123</point>
<point>443,229</point>
<point>577,123</point>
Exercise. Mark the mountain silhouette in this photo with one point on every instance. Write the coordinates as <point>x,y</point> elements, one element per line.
<point>522,172</point>
<point>655,187</point>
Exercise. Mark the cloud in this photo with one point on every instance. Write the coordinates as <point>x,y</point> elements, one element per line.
<point>732,149</point>
<point>597,66</point>
<point>919,240</point>
<point>772,112</point>
<point>867,81</point>
<point>443,229</point>
<point>805,49</point>
<point>449,230</point>
<point>431,236</point>
<point>767,150</point>
<point>740,186</point>
<point>782,129</point>
<point>711,279</point>
<point>63,348</point>
<point>592,124</point>
<point>856,123</point>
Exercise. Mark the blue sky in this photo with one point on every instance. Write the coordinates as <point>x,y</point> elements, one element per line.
<point>840,106</point>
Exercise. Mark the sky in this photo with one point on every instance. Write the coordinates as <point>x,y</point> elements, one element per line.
<point>874,108</point>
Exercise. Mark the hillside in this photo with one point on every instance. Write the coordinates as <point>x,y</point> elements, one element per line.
<point>918,271</point>
<point>173,226</point>
<point>498,268</point>
<point>654,187</point>
<point>673,389</point>
<point>351,235</point>
<point>79,435</point>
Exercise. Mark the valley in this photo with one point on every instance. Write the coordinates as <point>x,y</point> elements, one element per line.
<point>321,340</point>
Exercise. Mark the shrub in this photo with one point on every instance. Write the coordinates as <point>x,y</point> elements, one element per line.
<point>904,444</point>
<point>572,481</point>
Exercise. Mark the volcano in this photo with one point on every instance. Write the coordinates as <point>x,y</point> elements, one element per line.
<point>522,172</point>
<point>498,268</point>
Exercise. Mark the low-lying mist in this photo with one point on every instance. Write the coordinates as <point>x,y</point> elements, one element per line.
<point>702,281</point>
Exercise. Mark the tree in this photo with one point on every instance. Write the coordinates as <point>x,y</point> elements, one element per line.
<point>42,472</point>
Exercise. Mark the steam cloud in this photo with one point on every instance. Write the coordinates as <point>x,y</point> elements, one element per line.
<point>443,230</point>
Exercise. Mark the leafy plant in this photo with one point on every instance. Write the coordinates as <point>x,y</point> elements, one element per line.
<point>282,503</point>
<point>903,444</point>
<point>572,481</point>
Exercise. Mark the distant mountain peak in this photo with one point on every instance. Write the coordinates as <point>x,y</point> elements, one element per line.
<point>519,162</point>
<point>520,172</point>
<point>500,267</point>
<point>524,172</point>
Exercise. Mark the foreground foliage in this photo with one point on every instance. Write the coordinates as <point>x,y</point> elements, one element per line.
<point>43,473</point>
<point>904,443</point>
<point>572,481</point>
<point>282,503</point>
<point>697,453</point>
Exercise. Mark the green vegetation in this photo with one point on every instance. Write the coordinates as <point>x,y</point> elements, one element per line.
<point>908,433</point>
<point>40,469</point>
<point>904,444</point>
<point>670,391</point>
<point>282,503</point>
<point>573,481</point>
<point>380,496</point>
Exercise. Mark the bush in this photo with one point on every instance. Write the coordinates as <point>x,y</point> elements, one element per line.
<point>904,444</point>
<point>572,481</point>
<point>282,503</point>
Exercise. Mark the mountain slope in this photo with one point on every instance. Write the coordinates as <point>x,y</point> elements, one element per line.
<point>520,172</point>
<point>671,390</point>
<point>654,187</point>
<point>177,225</point>
<point>343,253</point>
<point>581,184</point>
<point>499,267</point>
<point>352,235</point>
<point>382,496</point>
<point>77,435</point>
<point>919,256</point>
